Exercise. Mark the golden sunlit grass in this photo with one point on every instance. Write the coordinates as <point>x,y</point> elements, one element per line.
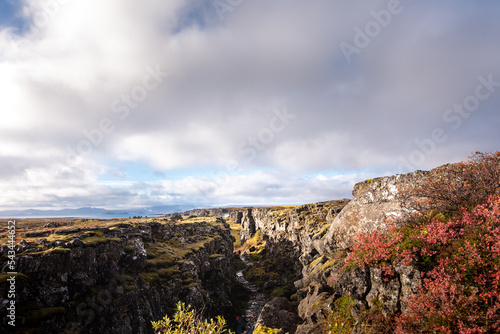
<point>256,241</point>
<point>33,229</point>
<point>235,232</point>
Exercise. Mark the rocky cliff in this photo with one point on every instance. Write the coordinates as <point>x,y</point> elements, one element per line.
<point>321,235</point>
<point>212,212</point>
<point>375,202</point>
<point>118,278</point>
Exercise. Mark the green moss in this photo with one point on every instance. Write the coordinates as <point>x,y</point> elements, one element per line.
<point>130,288</point>
<point>215,256</point>
<point>58,250</point>
<point>188,280</point>
<point>339,319</point>
<point>55,250</point>
<point>123,279</point>
<point>161,262</point>
<point>5,276</point>
<point>165,254</point>
<point>239,297</point>
<point>37,316</point>
<point>344,302</point>
<point>94,233</point>
<point>168,272</point>
<point>320,304</point>
<point>60,237</point>
<point>375,301</point>
<point>238,264</point>
<point>128,249</point>
<point>162,255</point>
<point>258,253</point>
<point>282,291</point>
<point>322,259</point>
<point>174,242</point>
<point>333,260</point>
<point>235,232</point>
<point>97,240</point>
<point>255,273</point>
<point>192,285</point>
<point>323,231</point>
<point>150,278</point>
<point>201,244</point>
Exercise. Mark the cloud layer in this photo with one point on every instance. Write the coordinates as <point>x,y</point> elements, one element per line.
<point>249,102</point>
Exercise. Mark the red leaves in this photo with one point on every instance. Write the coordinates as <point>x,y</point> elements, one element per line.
<point>460,292</point>
<point>454,186</point>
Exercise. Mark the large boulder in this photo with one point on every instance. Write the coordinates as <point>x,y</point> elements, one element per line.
<point>279,313</point>
<point>375,202</point>
<point>247,226</point>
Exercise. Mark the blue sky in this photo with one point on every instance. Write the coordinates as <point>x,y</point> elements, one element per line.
<point>122,103</point>
<point>7,13</point>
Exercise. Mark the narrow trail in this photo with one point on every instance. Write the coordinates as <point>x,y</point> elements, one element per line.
<point>257,298</point>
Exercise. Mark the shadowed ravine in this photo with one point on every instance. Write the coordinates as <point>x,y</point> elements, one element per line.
<point>257,298</point>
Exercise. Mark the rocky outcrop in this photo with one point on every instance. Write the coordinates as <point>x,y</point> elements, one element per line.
<point>247,225</point>
<point>279,313</point>
<point>117,279</point>
<point>212,212</point>
<point>374,204</point>
<point>322,234</point>
<point>303,225</point>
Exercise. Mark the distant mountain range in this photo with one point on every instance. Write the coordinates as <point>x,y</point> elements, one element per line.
<point>89,212</point>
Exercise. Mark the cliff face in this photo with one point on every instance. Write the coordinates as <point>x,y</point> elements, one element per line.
<point>212,212</point>
<point>322,234</point>
<point>304,225</point>
<point>373,204</point>
<point>116,279</point>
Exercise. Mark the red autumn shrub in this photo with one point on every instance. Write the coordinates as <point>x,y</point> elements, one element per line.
<point>460,261</point>
<point>451,187</point>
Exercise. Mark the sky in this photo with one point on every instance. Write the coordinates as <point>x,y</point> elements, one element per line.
<point>125,103</point>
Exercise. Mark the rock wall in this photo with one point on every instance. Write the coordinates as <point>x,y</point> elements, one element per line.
<point>374,203</point>
<point>303,225</point>
<point>118,279</point>
<point>212,212</point>
<point>322,234</point>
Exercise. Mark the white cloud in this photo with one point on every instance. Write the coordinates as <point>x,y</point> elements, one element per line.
<point>60,79</point>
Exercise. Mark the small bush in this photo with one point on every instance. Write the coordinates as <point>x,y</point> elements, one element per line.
<point>265,330</point>
<point>339,319</point>
<point>187,321</point>
<point>451,187</point>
